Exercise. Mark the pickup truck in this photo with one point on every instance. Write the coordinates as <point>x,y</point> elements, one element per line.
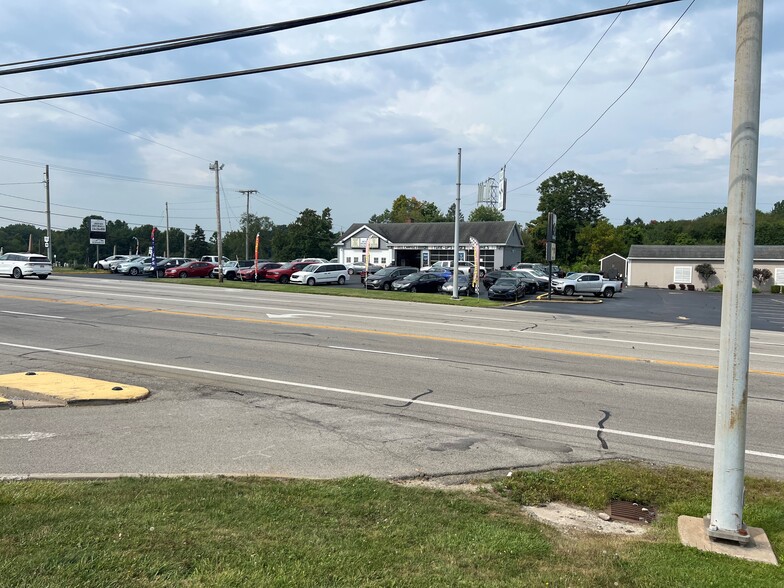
<point>464,267</point>
<point>587,284</point>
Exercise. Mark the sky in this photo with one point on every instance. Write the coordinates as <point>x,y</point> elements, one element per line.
<point>352,136</point>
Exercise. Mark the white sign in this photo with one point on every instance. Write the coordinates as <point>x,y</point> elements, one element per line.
<point>778,277</point>
<point>97,225</point>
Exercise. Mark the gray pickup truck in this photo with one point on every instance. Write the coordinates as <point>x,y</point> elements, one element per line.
<point>587,284</point>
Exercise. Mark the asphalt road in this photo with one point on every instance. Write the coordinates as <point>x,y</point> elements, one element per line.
<point>276,383</point>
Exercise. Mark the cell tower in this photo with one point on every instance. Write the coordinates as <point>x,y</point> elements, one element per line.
<point>492,192</point>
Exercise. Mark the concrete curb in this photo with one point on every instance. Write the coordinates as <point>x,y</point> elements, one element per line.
<point>50,390</point>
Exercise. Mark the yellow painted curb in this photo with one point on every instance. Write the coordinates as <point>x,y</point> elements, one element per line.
<point>5,403</point>
<point>70,389</point>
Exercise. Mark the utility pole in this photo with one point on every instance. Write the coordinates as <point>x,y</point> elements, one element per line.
<point>48,216</point>
<point>726,517</point>
<point>167,230</point>
<point>185,244</point>
<point>217,168</point>
<point>456,265</point>
<point>247,215</point>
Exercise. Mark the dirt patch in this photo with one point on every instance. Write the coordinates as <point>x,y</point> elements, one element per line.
<point>567,518</point>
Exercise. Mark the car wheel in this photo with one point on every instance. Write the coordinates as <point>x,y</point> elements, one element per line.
<point>284,279</point>
<point>609,292</point>
<point>569,290</point>
<point>341,280</point>
<point>413,289</point>
<point>351,271</point>
<point>311,281</point>
<point>387,286</point>
<point>183,274</point>
<point>43,276</point>
<point>231,276</point>
<point>18,273</point>
<point>134,271</point>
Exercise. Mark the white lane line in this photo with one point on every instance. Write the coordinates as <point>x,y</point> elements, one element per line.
<point>382,352</point>
<point>31,436</point>
<point>454,407</point>
<point>31,314</point>
<point>535,333</point>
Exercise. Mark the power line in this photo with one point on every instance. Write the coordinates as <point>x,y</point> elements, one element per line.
<point>613,103</point>
<point>561,91</point>
<point>161,46</point>
<point>347,57</point>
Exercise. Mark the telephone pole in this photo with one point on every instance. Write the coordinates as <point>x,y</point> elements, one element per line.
<point>48,216</point>
<point>217,168</point>
<point>247,215</point>
<point>456,264</point>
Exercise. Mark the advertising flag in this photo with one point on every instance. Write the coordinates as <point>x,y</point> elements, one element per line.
<point>475,277</point>
<point>256,260</point>
<point>367,257</point>
<point>152,247</point>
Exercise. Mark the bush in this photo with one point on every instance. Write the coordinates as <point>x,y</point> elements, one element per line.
<point>690,287</point>
<point>671,286</point>
<point>682,286</point>
<point>777,289</point>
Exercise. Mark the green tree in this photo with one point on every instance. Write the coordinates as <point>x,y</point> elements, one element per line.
<point>485,213</point>
<point>410,210</point>
<point>599,240</point>
<point>309,236</point>
<point>578,201</point>
<point>197,244</point>
<point>384,217</point>
<point>450,214</point>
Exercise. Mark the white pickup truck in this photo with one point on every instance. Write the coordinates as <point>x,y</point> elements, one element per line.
<point>587,284</point>
<point>464,267</point>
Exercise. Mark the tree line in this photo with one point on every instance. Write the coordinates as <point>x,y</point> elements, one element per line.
<point>584,234</point>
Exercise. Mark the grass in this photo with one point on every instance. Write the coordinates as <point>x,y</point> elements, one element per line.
<point>336,291</point>
<point>364,532</point>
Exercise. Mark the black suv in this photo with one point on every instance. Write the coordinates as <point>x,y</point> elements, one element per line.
<point>383,278</point>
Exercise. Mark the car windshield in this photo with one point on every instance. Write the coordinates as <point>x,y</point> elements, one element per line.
<point>506,282</point>
<point>537,272</point>
<point>309,268</point>
<point>288,265</point>
<point>384,272</point>
<point>413,277</point>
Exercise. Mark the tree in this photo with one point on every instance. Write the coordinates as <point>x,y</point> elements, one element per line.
<point>706,272</point>
<point>384,217</point>
<point>599,240</point>
<point>578,201</point>
<point>450,214</point>
<point>761,275</point>
<point>410,210</point>
<point>485,213</point>
<point>309,236</point>
<point>197,245</point>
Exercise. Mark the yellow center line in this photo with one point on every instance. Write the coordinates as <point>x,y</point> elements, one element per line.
<point>588,354</point>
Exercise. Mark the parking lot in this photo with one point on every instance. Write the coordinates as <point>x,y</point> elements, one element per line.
<point>652,304</point>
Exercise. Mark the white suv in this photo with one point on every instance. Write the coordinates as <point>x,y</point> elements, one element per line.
<point>321,273</point>
<point>20,265</point>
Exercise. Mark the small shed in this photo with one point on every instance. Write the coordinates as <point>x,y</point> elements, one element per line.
<point>613,266</point>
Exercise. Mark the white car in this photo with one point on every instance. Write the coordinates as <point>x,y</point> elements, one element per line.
<point>321,273</point>
<point>20,265</point>
<point>133,267</point>
<point>464,267</point>
<point>104,263</point>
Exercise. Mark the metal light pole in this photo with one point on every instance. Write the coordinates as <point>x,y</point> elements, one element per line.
<point>216,168</point>
<point>726,517</point>
<point>48,216</point>
<point>455,263</point>
<point>247,215</point>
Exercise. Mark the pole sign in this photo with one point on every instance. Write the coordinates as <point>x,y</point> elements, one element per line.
<point>97,231</point>
<point>552,221</point>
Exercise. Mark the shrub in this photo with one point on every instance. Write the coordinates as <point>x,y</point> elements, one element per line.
<point>671,286</point>
<point>777,289</point>
<point>682,286</point>
<point>761,275</point>
<point>706,272</point>
<point>690,287</point>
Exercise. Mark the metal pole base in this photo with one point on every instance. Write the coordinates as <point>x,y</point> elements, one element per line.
<point>740,536</point>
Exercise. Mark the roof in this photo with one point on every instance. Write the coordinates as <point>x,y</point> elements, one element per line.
<point>769,252</point>
<point>487,233</point>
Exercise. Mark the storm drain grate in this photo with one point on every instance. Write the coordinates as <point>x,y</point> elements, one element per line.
<point>623,510</point>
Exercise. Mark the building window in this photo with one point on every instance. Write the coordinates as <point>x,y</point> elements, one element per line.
<point>682,274</point>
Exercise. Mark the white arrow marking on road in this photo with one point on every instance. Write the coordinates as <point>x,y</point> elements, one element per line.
<point>296,315</point>
<point>31,436</point>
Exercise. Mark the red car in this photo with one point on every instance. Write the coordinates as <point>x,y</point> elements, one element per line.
<point>283,273</point>
<point>192,269</point>
<point>248,273</point>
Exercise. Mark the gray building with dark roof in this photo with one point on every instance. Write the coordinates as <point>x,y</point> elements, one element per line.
<point>420,244</point>
<point>660,265</point>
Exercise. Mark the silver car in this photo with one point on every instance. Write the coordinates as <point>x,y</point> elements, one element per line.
<point>134,267</point>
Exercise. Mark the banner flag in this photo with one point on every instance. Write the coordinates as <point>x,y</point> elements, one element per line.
<point>152,238</point>
<point>475,277</point>
<point>367,257</point>
<point>256,260</point>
